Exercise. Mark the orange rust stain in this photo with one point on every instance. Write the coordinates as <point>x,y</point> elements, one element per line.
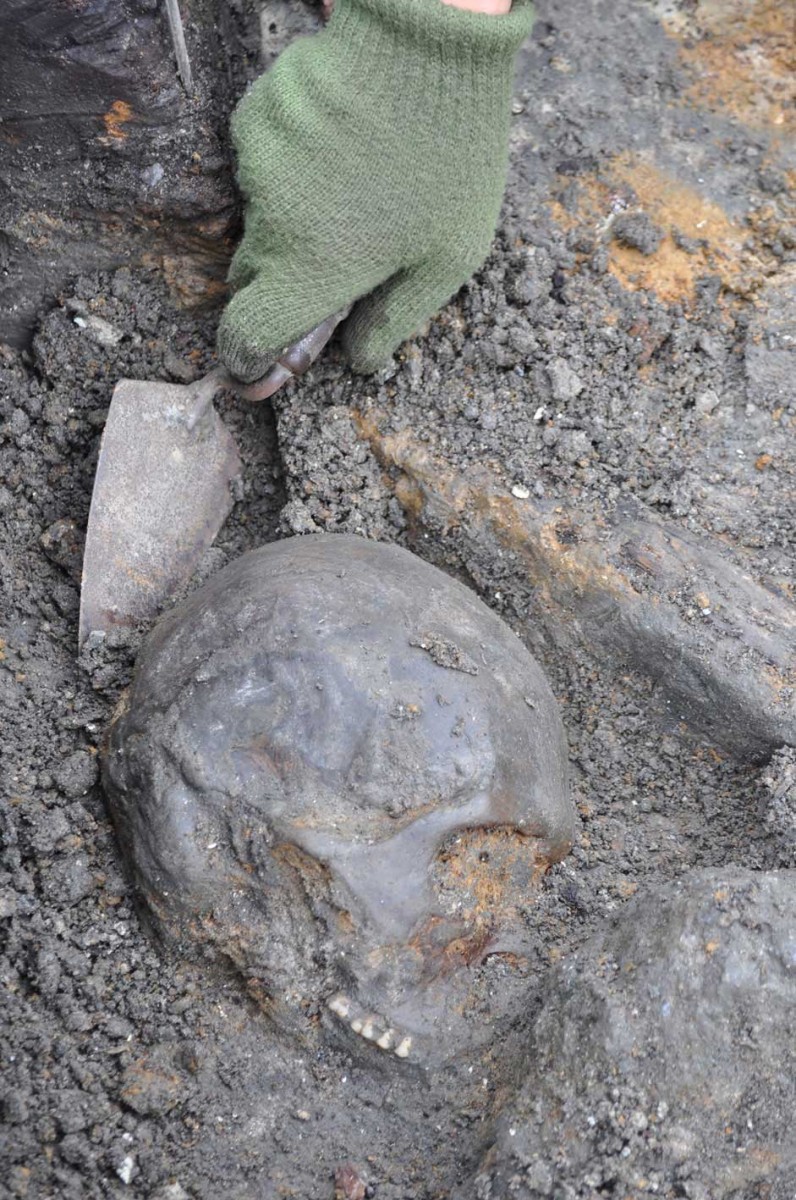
<point>630,183</point>
<point>36,228</point>
<point>780,683</point>
<point>345,923</point>
<point>402,452</point>
<point>193,279</point>
<point>626,888</point>
<point>466,950</point>
<point>259,993</point>
<point>493,868</point>
<point>143,1079</point>
<point>121,709</point>
<point>116,117</point>
<point>553,564</point>
<point>410,497</point>
<point>672,272</point>
<point>742,57</point>
<point>578,569</point>
<point>214,227</point>
<point>306,867</point>
<point>765,1156</point>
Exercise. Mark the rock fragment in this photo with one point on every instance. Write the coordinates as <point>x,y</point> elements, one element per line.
<point>565,383</point>
<point>126,1168</point>
<point>63,543</point>
<point>637,231</point>
<point>706,402</point>
<point>77,774</point>
<point>666,1049</point>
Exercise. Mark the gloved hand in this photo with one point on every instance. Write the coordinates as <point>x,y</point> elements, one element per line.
<point>372,157</point>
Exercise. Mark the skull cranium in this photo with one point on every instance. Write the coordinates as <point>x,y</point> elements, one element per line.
<point>337,767</point>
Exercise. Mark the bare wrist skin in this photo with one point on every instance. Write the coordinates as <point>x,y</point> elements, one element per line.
<point>493,8</point>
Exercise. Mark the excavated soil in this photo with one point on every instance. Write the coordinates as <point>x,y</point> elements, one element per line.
<point>630,336</point>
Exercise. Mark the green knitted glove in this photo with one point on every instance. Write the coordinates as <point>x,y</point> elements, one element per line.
<point>372,157</point>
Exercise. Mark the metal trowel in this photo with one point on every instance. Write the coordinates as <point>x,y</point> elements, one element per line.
<point>165,485</point>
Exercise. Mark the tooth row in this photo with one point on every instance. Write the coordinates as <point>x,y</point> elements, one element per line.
<point>369,1026</point>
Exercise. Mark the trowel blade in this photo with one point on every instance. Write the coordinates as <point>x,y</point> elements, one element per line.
<point>161,493</point>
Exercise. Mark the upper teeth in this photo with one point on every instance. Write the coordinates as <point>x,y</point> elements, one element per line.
<point>369,1026</point>
<point>403,1049</point>
<point>340,1005</point>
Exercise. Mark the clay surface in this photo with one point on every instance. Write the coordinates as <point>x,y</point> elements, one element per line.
<point>304,739</point>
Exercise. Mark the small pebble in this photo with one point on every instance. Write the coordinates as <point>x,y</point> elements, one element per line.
<point>706,402</point>
<point>522,493</point>
<point>99,330</point>
<point>637,231</point>
<point>565,384</point>
<point>77,774</point>
<point>151,176</point>
<point>125,1170</point>
<point>170,1191</point>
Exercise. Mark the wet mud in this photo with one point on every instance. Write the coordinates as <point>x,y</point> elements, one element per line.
<point>594,361</point>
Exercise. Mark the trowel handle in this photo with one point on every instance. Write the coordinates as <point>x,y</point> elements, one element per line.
<point>297,359</point>
<point>203,393</point>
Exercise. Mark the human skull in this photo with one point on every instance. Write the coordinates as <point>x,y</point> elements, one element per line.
<point>338,768</point>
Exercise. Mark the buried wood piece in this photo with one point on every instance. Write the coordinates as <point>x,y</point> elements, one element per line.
<point>683,610</point>
<point>104,163</point>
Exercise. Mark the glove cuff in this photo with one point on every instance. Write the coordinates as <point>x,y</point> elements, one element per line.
<point>437,29</point>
